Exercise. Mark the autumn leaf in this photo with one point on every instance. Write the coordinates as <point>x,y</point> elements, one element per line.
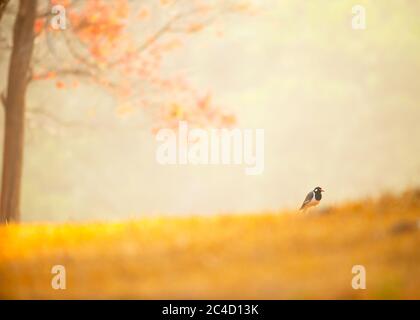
<point>165,2</point>
<point>143,14</point>
<point>176,111</point>
<point>228,120</point>
<point>195,27</point>
<point>60,84</point>
<point>39,25</point>
<point>124,110</point>
<point>51,75</point>
<point>129,63</point>
<point>204,102</point>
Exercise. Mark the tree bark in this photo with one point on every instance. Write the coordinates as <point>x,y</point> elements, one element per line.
<point>23,42</point>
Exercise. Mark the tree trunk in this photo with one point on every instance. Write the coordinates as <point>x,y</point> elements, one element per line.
<point>23,41</point>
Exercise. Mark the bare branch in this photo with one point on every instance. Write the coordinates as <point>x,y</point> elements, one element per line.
<point>3,99</point>
<point>30,74</point>
<point>78,56</point>
<point>3,5</point>
<point>74,72</point>
<point>151,40</point>
<point>54,118</point>
<point>7,47</point>
<point>168,26</point>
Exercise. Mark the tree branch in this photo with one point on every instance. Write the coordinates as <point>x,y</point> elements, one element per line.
<point>58,120</point>
<point>3,5</point>
<point>3,99</point>
<point>77,56</point>
<point>159,33</point>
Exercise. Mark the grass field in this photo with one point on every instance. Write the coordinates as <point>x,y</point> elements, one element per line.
<point>262,255</point>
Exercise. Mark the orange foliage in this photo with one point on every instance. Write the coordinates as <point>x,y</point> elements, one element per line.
<point>102,42</point>
<point>39,25</point>
<point>60,84</point>
<point>143,13</point>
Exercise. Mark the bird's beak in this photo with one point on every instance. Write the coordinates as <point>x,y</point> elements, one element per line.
<point>322,190</point>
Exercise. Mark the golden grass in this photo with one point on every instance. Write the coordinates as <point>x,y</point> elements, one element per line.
<point>256,256</point>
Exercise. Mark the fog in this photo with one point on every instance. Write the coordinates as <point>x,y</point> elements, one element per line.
<point>340,110</point>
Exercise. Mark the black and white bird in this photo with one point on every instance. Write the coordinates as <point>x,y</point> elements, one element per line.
<point>312,199</point>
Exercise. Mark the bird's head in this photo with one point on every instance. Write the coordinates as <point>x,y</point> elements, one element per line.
<point>318,190</point>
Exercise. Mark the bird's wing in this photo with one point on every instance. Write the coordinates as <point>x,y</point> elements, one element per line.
<point>308,199</point>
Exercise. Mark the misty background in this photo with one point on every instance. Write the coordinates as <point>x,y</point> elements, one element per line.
<point>339,107</point>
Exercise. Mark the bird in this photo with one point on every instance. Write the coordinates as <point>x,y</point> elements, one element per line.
<point>312,199</point>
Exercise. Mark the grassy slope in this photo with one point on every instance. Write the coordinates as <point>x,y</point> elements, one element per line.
<point>247,256</point>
